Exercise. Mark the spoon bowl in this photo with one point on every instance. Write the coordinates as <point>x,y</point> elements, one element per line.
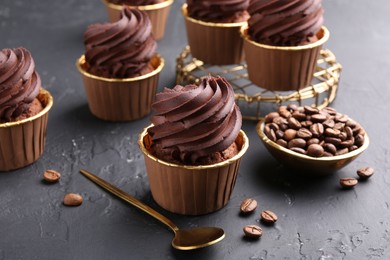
<point>184,239</point>
<point>197,237</point>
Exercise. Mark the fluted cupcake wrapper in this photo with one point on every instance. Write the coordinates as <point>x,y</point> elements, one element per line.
<point>191,190</point>
<point>214,43</point>
<point>158,15</point>
<point>121,99</point>
<point>279,68</point>
<point>22,142</point>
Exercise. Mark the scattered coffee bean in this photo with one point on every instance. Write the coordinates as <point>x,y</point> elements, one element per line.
<point>348,182</point>
<point>268,217</point>
<point>51,176</point>
<point>365,172</point>
<point>73,199</point>
<point>297,128</point>
<point>253,231</point>
<point>248,205</point>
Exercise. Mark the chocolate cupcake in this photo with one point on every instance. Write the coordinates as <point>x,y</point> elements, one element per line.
<point>120,67</point>
<point>157,10</point>
<point>282,42</point>
<point>194,147</point>
<point>24,108</point>
<point>213,29</point>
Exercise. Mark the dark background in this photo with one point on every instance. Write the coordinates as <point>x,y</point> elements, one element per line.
<point>317,219</point>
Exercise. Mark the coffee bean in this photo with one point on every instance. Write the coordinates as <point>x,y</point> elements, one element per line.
<point>73,199</point>
<point>332,132</point>
<point>348,131</point>
<point>311,110</point>
<point>347,143</point>
<point>352,148</point>
<point>338,126</point>
<point>51,176</point>
<point>328,123</point>
<point>271,135</point>
<point>270,117</point>
<point>330,148</point>
<point>282,142</point>
<point>348,182</point>
<point>248,205</point>
<point>304,133</point>
<point>298,150</point>
<point>306,124</point>
<point>279,134</point>
<point>292,107</point>
<point>317,129</point>
<point>342,151</point>
<point>327,154</point>
<point>318,118</point>
<point>333,140</point>
<point>268,217</point>
<point>252,231</point>
<point>294,123</point>
<point>359,140</point>
<point>285,113</point>
<point>343,136</point>
<point>351,123</point>
<point>273,126</point>
<point>315,150</point>
<point>297,142</point>
<point>341,118</point>
<point>365,172</point>
<point>299,116</point>
<point>329,110</point>
<point>290,134</point>
<point>280,121</point>
<point>313,141</point>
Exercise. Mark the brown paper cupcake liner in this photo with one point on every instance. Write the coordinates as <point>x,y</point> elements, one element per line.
<point>121,99</point>
<point>158,15</point>
<point>191,190</point>
<point>22,142</point>
<point>214,43</point>
<point>280,68</point>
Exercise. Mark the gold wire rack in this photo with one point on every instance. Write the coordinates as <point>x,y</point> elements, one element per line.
<point>254,101</point>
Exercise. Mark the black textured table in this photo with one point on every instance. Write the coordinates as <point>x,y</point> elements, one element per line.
<point>317,219</point>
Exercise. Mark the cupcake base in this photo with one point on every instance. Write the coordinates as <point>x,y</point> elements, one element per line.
<point>158,15</point>
<point>278,68</point>
<point>121,99</point>
<point>22,142</point>
<point>214,43</point>
<point>191,190</point>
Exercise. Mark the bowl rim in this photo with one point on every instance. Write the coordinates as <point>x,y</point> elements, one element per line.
<point>235,158</point>
<point>260,126</point>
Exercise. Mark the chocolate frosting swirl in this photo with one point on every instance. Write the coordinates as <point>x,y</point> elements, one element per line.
<point>285,22</point>
<point>122,49</point>
<point>135,2</point>
<point>191,122</point>
<point>227,11</point>
<point>19,82</point>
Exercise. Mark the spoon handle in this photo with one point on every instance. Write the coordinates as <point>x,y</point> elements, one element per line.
<point>130,199</point>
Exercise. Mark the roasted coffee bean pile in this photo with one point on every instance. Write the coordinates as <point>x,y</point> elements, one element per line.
<point>312,131</point>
